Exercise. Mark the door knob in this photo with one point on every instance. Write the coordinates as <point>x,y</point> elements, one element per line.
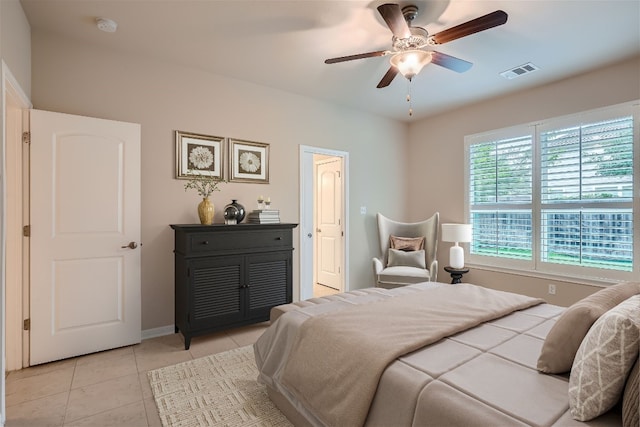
<point>309,235</point>
<point>131,245</point>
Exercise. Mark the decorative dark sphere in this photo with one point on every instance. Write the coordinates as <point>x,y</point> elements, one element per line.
<point>231,212</point>
<point>234,210</point>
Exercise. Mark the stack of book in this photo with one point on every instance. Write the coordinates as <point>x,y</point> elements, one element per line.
<point>264,216</point>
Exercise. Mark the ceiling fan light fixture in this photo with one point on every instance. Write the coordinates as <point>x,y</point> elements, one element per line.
<point>410,62</point>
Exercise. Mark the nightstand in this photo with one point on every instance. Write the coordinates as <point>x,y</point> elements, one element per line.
<point>456,273</point>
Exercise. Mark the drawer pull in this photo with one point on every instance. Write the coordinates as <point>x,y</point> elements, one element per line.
<point>205,242</point>
<point>279,238</point>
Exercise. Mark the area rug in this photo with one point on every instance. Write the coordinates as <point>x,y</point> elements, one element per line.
<point>214,391</point>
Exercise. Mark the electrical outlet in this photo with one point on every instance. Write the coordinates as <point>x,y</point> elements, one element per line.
<point>363,210</point>
<point>552,289</point>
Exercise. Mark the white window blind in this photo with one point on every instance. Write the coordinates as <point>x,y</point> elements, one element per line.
<point>558,196</point>
<point>500,197</point>
<point>587,194</point>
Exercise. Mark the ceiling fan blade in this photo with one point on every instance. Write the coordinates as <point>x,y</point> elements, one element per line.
<point>451,62</point>
<point>482,23</point>
<point>388,78</point>
<point>392,15</point>
<point>358,56</point>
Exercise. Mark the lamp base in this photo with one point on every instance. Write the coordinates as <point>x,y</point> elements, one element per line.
<point>456,256</point>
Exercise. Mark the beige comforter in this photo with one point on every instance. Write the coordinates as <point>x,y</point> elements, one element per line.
<point>336,360</point>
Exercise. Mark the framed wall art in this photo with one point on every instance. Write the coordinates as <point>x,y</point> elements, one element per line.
<point>199,155</point>
<point>249,161</point>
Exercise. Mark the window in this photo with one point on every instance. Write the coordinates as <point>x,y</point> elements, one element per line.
<point>558,196</point>
<point>501,196</point>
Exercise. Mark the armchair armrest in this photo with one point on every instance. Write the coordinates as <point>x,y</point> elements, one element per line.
<point>377,267</point>
<point>433,271</point>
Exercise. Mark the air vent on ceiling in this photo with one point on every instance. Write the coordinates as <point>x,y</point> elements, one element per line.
<point>520,70</point>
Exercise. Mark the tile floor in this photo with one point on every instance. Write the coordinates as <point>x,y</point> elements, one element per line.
<point>108,388</point>
<point>322,290</point>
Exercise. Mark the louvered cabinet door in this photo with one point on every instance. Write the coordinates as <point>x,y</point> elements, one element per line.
<point>216,291</point>
<point>269,282</point>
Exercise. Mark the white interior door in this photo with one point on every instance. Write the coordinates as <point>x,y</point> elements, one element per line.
<point>85,211</point>
<point>329,222</point>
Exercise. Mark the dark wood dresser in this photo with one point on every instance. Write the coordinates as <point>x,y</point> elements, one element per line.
<point>230,275</point>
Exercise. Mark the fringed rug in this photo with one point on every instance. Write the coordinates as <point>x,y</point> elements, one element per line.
<point>214,391</point>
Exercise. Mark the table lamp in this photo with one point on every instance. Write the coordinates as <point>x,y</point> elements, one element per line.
<point>456,233</point>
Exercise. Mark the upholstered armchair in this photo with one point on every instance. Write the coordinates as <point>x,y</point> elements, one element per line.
<point>404,264</point>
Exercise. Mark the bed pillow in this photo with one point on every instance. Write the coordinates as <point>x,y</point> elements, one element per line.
<point>398,258</point>
<point>603,361</point>
<point>564,338</point>
<point>406,244</point>
<point>631,399</point>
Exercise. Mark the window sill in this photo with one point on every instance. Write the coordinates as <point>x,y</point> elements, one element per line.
<point>588,281</point>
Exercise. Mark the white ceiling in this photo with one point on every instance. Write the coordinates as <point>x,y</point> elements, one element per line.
<point>283,44</point>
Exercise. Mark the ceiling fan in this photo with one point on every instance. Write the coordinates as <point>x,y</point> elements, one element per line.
<point>412,46</point>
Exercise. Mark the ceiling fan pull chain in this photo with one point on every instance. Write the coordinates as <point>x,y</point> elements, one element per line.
<point>409,97</point>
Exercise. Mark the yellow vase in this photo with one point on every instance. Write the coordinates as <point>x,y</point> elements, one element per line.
<point>205,211</point>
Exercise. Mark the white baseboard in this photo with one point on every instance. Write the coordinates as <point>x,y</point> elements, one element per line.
<point>158,332</point>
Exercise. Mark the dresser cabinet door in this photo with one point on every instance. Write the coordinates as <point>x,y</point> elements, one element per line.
<point>216,286</point>
<point>269,278</point>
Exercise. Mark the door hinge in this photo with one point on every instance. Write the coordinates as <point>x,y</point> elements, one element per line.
<point>26,325</point>
<point>26,231</point>
<point>188,272</point>
<point>26,137</point>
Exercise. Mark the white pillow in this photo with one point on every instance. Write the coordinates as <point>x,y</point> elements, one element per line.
<point>406,259</point>
<point>603,361</point>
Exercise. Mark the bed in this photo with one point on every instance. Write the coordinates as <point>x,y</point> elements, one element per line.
<point>482,370</point>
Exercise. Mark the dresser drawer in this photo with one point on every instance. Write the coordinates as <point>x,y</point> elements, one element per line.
<point>238,240</point>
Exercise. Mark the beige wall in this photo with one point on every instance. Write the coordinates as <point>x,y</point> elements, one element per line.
<point>71,77</point>
<point>15,42</point>
<point>436,146</point>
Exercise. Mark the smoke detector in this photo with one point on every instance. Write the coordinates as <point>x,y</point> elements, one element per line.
<point>106,25</point>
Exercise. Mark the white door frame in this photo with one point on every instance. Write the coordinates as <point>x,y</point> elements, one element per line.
<point>10,87</point>
<point>307,231</point>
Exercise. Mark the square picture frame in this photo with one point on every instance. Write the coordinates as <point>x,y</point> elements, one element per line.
<point>198,154</point>
<point>248,161</point>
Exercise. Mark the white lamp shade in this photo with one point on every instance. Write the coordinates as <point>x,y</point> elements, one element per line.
<point>456,232</point>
